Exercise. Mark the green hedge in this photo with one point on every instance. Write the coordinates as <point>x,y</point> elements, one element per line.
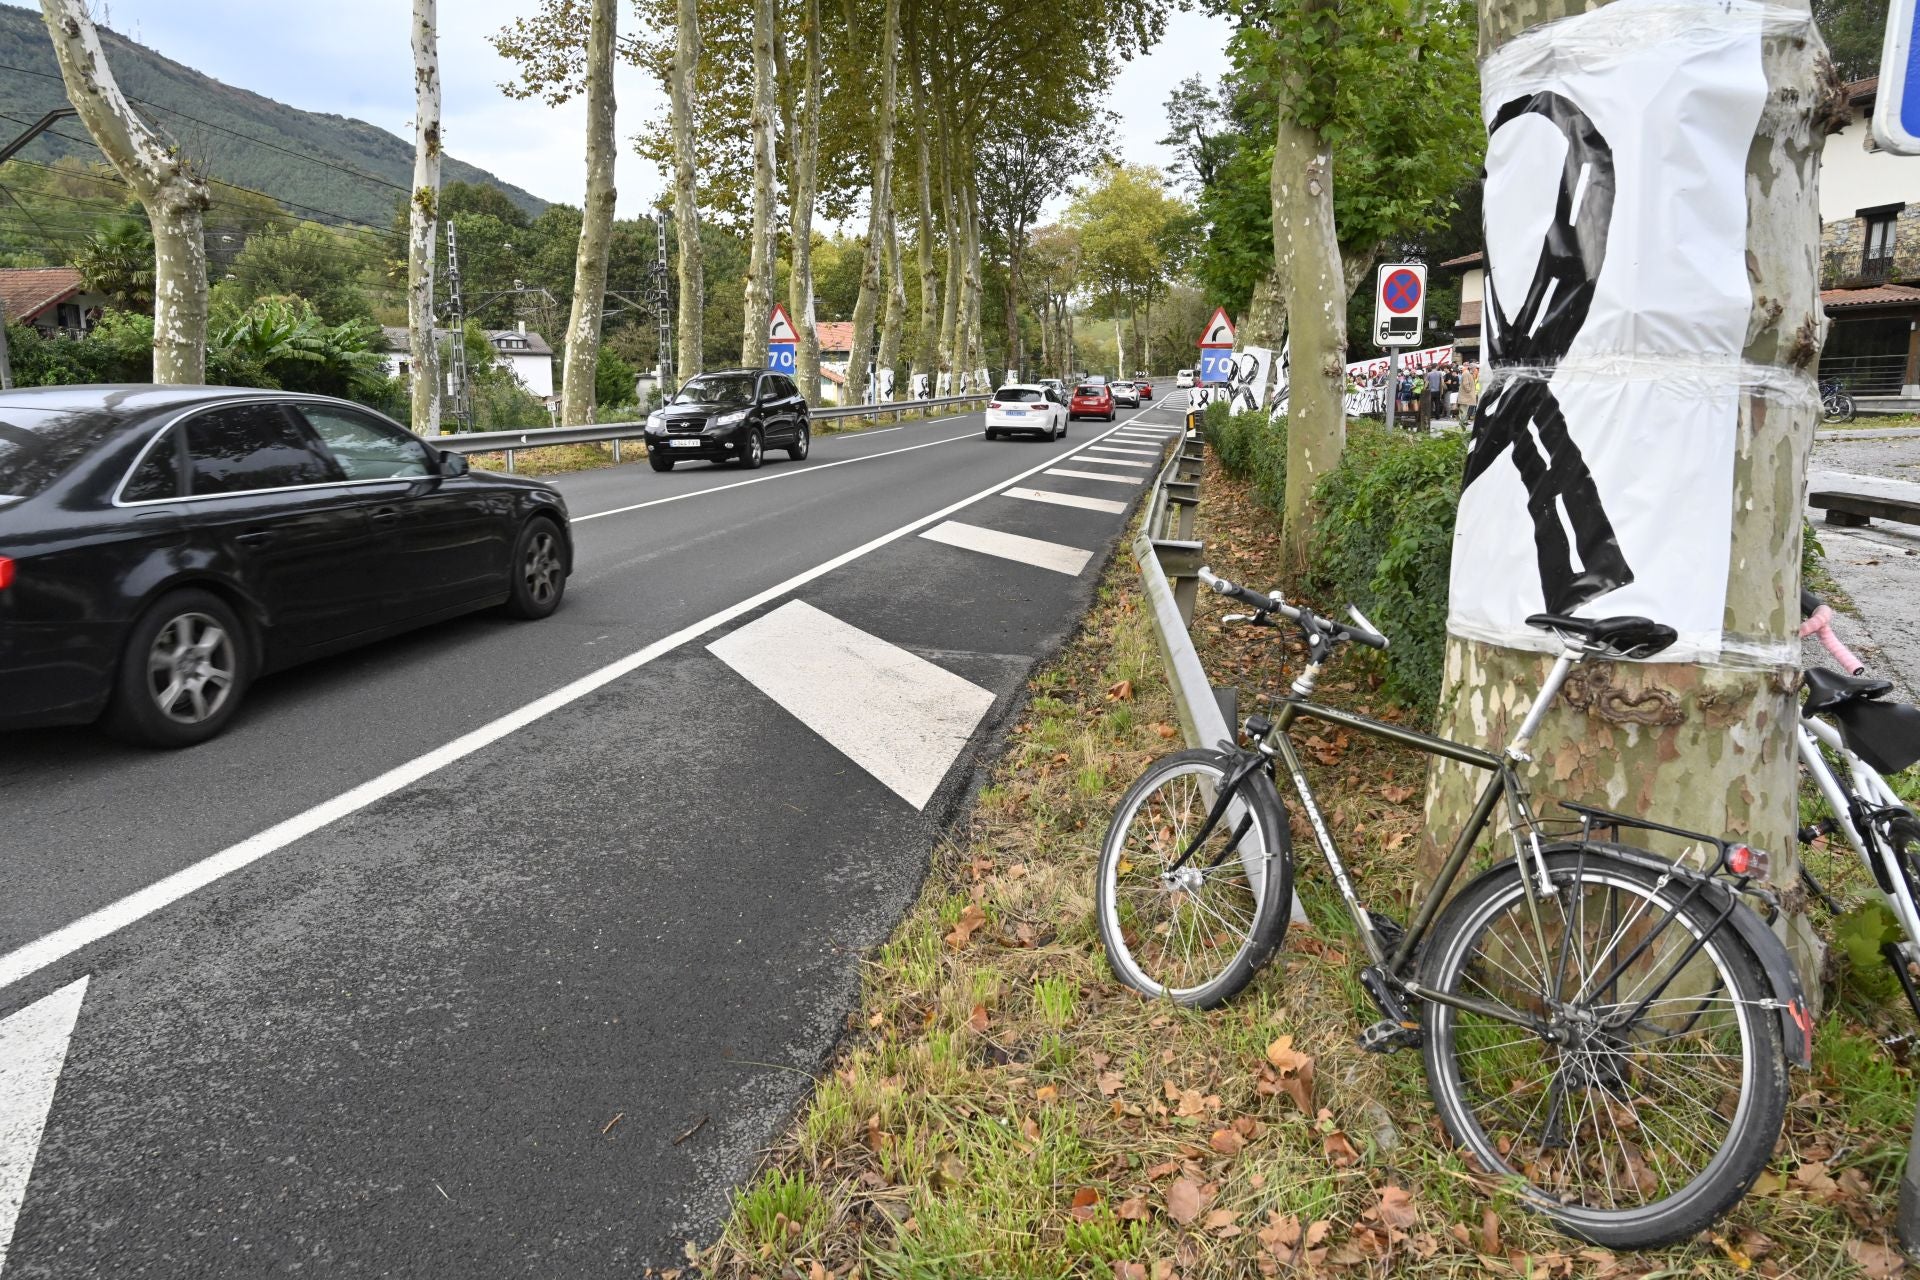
<point>1384,533</point>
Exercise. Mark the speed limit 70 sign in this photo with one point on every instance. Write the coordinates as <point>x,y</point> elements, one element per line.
<point>1400,304</point>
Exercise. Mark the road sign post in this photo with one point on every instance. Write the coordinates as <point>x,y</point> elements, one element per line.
<point>1400,304</point>
<point>782,342</point>
<point>1216,351</point>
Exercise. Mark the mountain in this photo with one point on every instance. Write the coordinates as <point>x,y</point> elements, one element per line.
<point>319,164</point>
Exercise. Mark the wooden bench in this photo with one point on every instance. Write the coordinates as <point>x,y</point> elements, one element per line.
<point>1854,510</point>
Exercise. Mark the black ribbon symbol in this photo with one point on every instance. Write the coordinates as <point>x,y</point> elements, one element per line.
<point>1240,376</point>
<point>1518,410</point>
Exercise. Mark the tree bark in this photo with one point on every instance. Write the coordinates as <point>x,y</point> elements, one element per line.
<point>174,197</point>
<point>1266,321</point>
<point>879,212</point>
<point>423,220</point>
<point>1307,258</point>
<point>759,291</point>
<point>805,161</point>
<point>686,192</point>
<point>1015,236</point>
<point>577,401</point>
<point>975,289</point>
<point>950,360</point>
<point>1706,747</point>
<point>927,352</point>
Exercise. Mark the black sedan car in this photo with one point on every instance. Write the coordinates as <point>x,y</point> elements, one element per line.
<point>161,547</point>
<point>732,415</point>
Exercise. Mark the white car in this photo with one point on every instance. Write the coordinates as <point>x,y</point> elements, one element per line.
<point>1184,380</point>
<point>1126,393</point>
<point>1026,409</point>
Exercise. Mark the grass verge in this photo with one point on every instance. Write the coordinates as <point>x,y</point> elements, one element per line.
<point>1004,1108</point>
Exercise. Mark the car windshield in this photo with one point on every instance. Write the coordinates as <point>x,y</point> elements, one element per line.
<point>1086,389</point>
<point>718,388</point>
<point>38,448</point>
<point>1015,395</point>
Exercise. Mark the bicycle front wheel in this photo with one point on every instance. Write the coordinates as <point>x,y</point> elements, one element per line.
<point>1186,922</point>
<point>1647,1092</point>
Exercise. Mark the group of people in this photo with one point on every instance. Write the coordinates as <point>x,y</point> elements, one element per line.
<point>1421,395</point>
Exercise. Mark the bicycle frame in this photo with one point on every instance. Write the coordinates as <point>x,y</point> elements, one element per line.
<point>1504,783</point>
<point>1868,791</point>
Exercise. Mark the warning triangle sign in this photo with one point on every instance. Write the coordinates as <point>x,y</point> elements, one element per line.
<point>1219,330</point>
<point>780,328</point>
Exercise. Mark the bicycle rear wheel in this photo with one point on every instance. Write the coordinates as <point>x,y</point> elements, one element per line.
<point>1650,1091</point>
<point>1194,925</point>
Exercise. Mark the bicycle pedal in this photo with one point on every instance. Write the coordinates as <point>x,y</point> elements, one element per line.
<point>1387,1036</point>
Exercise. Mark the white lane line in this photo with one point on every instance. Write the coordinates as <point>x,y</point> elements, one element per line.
<point>1138,453</point>
<point>855,435</point>
<point>1056,556</point>
<point>1138,437</point>
<point>1095,475</point>
<point>778,475</point>
<point>893,713</point>
<point>1066,500</point>
<point>1091,459</point>
<point>31,957</point>
<point>33,1049</point>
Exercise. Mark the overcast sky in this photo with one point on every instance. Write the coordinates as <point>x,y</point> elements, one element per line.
<point>351,58</point>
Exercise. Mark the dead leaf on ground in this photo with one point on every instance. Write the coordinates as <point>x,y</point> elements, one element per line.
<point>1120,690</point>
<point>1489,1232</point>
<point>1111,1083</point>
<point>977,1020</point>
<point>1296,1072</point>
<point>1185,1200</point>
<point>1086,1202</point>
<point>1876,1260</point>
<point>1133,1209</point>
<point>1340,1152</point>
<point>1166,730</point>
<point>1396,795</point>
<point>1394,1208</point>
<point>963,929</point>
<point>1226,1142</point>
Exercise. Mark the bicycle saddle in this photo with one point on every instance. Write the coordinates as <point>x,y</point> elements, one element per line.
<point>1628,636</point>
<point>1828,689</point>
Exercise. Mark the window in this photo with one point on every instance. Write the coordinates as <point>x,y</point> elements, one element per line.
<point>38,448</point>
<point>158,474</point>
<point>1017,395</point>
<point>783,385</point>
<point>365,448</point>
<point>251,446</point>
<point>1876,260</point>
<point>723,389</point>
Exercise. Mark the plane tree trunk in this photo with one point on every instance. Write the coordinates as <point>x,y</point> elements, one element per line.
<point>1707,746</point>
<point>759,291</point>
<point>879,209</point>
<point>805,159</point>
<point>596,224</point>
<point>686,190</point>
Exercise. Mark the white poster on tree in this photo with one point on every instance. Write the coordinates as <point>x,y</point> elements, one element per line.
<point>1599,478</point>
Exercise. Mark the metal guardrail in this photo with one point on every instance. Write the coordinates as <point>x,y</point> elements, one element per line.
<point>511,442</point>
<point>1169,558</point>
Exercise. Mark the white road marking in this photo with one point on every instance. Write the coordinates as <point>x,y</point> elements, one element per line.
<point>1066,500</point>
<point>1138,437</point>
<point>778,475</point>
<point>31,957</point>
<point>1056,556</point>
<point>1095,475</point>
<point>1097,460</point>
<point>893,713</point>
<point>33,1049</point>
<point>1138,453</point>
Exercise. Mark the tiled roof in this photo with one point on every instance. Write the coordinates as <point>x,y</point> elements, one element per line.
<point>1465,260</point>
<point>27,291</point>
<point>1469,314</point>
<point>1856,90</point>
<point>834,376</point>
<point>1878,295</point>
<point>834,335</point>
<point>393,337</point>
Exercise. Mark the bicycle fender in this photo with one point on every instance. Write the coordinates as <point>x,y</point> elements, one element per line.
<point>1796,1020</point>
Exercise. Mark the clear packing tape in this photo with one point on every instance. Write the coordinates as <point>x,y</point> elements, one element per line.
<point>1600,476</point>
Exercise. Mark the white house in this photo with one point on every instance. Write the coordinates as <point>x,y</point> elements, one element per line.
<point>53,300</point>
<point>522,353</point>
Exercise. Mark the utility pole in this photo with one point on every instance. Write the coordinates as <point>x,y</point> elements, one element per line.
<point>457,382</point>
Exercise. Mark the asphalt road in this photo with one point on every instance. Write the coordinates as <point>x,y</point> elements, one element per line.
<point>361,985</point>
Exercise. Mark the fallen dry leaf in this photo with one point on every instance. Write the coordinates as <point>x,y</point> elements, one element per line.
<point>1489,1232</point>
<point>1086,1202</point>
<point>1394,1209</point>
<point>1340,1152</point>
<point>963,929</point>
<point>1129,1271</point>
<point>1133,1209</point>
<point>1185,1200</point>
<point>1296,1072</point>
<point>977,1020</point>
<point>1396,795</point>
<point>1166,730</point>
<point>1111,1083</point>
<point>1876,1260</point>
<point>1120,689</point>
<point>1226,1142</point>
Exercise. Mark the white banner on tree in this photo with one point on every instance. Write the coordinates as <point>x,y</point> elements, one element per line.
<point>1599,479</point>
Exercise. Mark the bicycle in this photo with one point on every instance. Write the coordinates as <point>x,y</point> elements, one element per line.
<point>1627,1077</point>
<point>1835,404</point>
<point>1870,738</point>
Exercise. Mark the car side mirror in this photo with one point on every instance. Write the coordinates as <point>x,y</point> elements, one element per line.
<point>452,464</point>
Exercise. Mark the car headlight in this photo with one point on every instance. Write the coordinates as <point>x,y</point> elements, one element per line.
<point>728,419</point>
<point>655,421</point>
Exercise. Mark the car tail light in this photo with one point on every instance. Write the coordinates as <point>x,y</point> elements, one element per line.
<point>993,404</point>
<point>6,573</point>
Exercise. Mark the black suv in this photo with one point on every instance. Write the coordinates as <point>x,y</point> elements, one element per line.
<point>734,415</point>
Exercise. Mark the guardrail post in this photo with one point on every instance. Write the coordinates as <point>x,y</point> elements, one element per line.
<point>509,459</point>
<point>616,448</point>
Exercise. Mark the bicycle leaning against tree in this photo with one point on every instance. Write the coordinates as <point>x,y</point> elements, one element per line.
<point>1605,1029</point>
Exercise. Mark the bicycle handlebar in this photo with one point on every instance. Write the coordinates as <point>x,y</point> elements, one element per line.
<point>1360,630</point>
<point>1819,622</point>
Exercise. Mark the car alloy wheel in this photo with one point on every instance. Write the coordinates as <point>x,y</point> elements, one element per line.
<point>190,668</point>
<point>541,568</point>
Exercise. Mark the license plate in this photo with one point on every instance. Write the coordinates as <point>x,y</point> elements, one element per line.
<point>684,444</point>
<point>1015,413</point>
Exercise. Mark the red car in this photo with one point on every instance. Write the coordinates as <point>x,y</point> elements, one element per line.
<point>1145,388</point>
<point>1091,400</point>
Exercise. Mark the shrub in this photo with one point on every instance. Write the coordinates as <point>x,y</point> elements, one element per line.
<point>1253,449</point>
<point>1384,541</point>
